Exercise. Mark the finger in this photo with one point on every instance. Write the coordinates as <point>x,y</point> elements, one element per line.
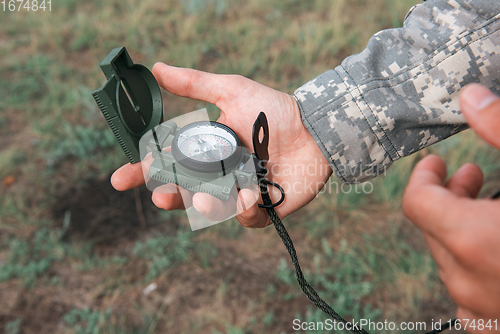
<point>426,201</point>
<point>127,177</point>
<point>131,175</point>
<point>481,109</point>
<point>190,83</point>
<point>467,181</point>
<point>442,256</point>
<point>249,213</point>
<point>213,208</point>
<point>169,197</point>
<point>470,317</point>
<point>473,296</point>
<point>466,316</point>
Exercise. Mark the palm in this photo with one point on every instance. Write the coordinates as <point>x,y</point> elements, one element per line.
<point>295,161</point>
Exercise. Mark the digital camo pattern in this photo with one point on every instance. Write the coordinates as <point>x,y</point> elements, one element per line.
<point>401,93</point>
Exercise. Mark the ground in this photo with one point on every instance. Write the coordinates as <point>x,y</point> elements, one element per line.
<point>76,256</point>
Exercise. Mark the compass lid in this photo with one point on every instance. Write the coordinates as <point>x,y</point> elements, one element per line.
<point>130,100</point>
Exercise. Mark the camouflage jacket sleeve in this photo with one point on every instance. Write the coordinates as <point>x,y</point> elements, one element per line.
<point>401,93</point>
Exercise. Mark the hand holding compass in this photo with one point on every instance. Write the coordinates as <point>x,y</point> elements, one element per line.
<point>240,99</point>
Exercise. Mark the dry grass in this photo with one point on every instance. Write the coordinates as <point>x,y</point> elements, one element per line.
<point>56,157</point>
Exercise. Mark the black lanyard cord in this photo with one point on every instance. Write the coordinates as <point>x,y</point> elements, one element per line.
<point>304,285</point>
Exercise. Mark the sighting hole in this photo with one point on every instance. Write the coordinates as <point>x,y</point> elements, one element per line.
<point>261,135</point>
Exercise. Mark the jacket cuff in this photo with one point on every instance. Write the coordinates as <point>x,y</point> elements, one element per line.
<point>344,128</point>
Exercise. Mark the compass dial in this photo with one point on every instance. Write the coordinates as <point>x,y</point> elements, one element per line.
<point>207,147</point>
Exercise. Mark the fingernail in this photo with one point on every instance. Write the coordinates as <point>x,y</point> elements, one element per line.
<point>478,97</point>
<point>201,212</point>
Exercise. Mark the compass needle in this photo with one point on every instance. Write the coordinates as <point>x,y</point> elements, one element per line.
<point>133,101</point>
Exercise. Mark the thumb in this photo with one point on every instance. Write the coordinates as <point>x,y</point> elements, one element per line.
<point>481,109</point>
<point>249,213</point>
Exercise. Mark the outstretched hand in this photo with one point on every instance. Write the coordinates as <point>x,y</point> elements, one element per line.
<point>295,161</point>
<point>463,232</point>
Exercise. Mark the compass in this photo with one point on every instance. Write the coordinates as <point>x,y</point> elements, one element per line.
<point>204,156</point>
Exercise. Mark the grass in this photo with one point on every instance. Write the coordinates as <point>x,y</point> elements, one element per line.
<point>29,260</point>
<point>86,321</point>
<point>363,266</point>
<point>13,327</point>
<point>86,273</point>
<point>165,252</point>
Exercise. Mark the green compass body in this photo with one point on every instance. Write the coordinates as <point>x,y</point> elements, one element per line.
<point>204,156</point>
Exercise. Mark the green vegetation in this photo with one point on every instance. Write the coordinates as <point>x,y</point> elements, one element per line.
<point>28,260</point>
<point>166,251</point>
<point>13,327</point>
<point>86,321</point>
<point>76,256</point>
